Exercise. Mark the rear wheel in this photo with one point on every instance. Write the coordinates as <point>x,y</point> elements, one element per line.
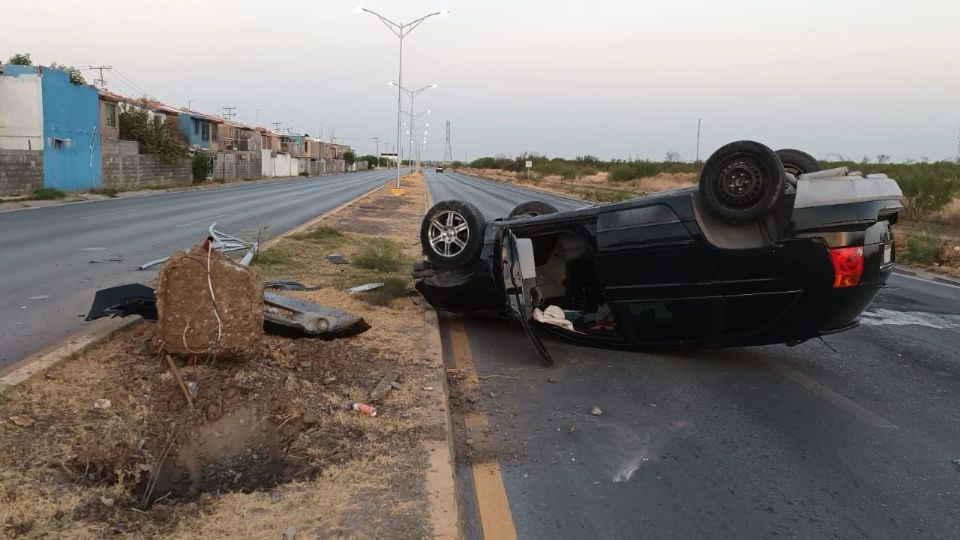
<point>532,209</point>
<point>797,162</point>
<point>742,182</point>
<point>451,234</point>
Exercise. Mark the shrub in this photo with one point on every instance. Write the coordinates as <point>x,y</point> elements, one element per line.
<point>304,173</point>
<point>379,254</point>
<point>321,233</point>
<point>200,165</point>
<point>633,170</point>
<point>156,136</point>
<point>921,248</point>
<point>392,288</point>
<point>48,194</point>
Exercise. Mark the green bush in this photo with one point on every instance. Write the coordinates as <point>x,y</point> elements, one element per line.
<point>631,171</point>
<point>200,165</point>
<point>321,233</point>
<point>48,194</point>
<point>922,248</point>
<point>379,254</point>
<point>392,288</point>
<point>156,136</point>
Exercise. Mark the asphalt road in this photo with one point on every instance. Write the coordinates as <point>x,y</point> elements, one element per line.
<point>850,437</point>
<point>53,259</point>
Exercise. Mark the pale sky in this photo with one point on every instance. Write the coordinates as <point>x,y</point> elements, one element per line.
<point>602,77</point>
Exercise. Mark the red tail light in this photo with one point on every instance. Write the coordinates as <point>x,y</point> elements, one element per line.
<point>847,265</point>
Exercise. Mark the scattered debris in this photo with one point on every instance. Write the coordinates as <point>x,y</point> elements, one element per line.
<point>428,388</point>
<point>102,404</point>
<point>337,258</point>
<point>107,501</point>
<point>364,409</point>
<point>283,315</point>
<point>106,261</point>
<point>307,319</point>
<point>384,386</point>
<point>290,533</point>
<point>288,286</point>
<point>551,380</point>
<point>194,388</point>
<point>220,241</point>
<point>328,380</point>
<point>40,297</point>
<point>207,303</point>
<point>364,288</point>
<point>596,411</point>
<point>957,463</point>
<point>123,300</point>
<point>22,421</point>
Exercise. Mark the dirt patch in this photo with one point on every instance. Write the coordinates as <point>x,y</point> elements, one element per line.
<point>105,443</point>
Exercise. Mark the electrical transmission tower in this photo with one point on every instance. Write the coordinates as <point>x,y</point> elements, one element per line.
<point>447,149</point>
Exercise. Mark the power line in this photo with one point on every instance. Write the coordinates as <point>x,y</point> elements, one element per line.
<point>103,83</point>
<point>130,83</point>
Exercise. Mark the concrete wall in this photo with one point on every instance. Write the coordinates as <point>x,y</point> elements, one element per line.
<point>71,120</point>
<point>21,172</point>
<point>237,165</point>
<point>21,109</point>
<point>125,167</point>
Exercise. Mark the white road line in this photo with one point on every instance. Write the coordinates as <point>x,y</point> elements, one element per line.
<point>925,280</point>
<point>201,220</point>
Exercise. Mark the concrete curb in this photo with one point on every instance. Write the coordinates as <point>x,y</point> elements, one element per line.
<point>102,330</point>
<point>923,273</point>
<point>441,479</point>
<point>306,225</point>
<point>80,342</point>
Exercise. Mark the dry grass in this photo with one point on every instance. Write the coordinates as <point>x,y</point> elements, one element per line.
<point>365,475</point>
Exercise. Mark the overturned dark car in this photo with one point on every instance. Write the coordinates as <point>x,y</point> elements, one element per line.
<point>766,249</point>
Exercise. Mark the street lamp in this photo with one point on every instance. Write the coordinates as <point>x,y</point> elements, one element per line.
<point>412,94</point>
<point>401,30</point>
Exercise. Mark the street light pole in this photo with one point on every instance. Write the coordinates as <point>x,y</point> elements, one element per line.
<point>412,94</point>
<point>401,30</point>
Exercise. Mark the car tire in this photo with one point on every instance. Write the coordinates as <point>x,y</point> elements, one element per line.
<point>532,209</point>
<point>797,162</point>
<point>451,234</point>
<point>742,182</point>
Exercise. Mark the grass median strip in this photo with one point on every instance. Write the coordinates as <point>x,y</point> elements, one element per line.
<point>105,444</point>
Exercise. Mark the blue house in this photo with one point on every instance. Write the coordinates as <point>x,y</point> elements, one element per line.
<point>199,129</point>
<point>68,115</point>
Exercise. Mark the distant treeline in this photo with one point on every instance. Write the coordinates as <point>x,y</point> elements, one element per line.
<point>927,187</point>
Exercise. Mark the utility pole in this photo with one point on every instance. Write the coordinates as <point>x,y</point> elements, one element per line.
<point>228,112</point>
<point>190,104</point>
<point>447,149</point>
<point>698,141</point>
<point>101,80</point>
<point>958,146</point>
<point>276,126</point>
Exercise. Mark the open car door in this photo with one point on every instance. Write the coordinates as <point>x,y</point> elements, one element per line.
<point>519,273</point>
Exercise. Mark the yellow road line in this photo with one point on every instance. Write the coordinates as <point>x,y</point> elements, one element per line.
<point>496,519</point>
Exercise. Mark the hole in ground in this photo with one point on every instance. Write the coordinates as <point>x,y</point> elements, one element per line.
<point>243,450</point>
